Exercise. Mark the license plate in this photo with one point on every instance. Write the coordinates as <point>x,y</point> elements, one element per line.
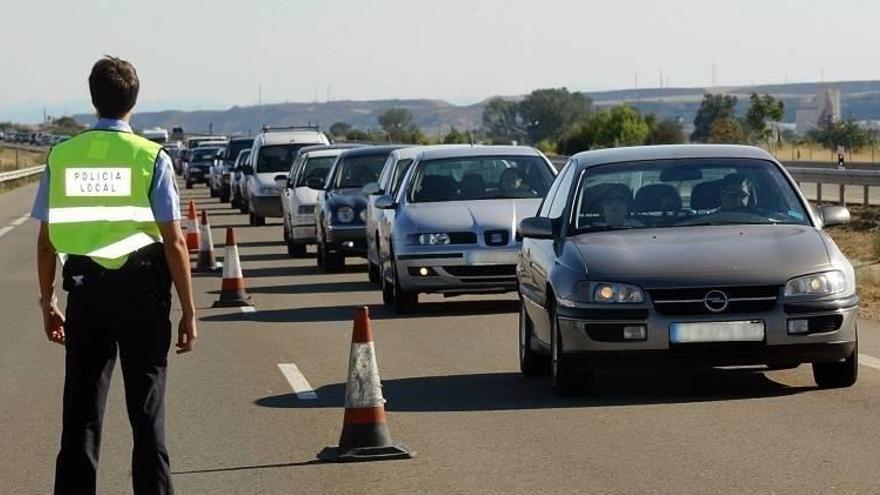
<point>716,331</point>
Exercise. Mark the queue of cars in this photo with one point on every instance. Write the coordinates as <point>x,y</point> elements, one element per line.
<point>678,255</point>
<point>32,138</point>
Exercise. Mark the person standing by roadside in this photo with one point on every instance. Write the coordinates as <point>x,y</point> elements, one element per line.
<point>108,203</point>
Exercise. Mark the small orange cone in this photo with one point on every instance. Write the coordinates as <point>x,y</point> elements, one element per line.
<point>232,290</point>
<point>206,261</point>
<point>365,435</point>
<point>192,229</point>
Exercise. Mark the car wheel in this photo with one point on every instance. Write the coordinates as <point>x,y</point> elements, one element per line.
<point>243,206</point>
<point>530,362</point>
<point>403,301</point>
<point>224,197</point>
<point>285,232</point>
<point>259,221</point>
<point>189,185</point>
<point>251,218</point>
<point>387,288</point>
<point>211,190</point>
<point>319,257</point>
<point>838,375</point>
<point>372,272</point>
<point>564,379</point>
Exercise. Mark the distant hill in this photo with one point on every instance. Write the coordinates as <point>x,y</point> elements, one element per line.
<point>859,100</point>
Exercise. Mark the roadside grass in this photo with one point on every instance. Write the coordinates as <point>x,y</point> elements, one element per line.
<point>857,241</point>
<point>25,158</point>
<point>788,152</point>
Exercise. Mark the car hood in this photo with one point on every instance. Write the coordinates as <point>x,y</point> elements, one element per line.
<point>353,197</point>
<point>703,256</point>
<point>463,216</point>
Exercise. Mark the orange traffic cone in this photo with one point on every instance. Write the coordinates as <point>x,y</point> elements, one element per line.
<point>206,261</point>
<point>365,435</point>
<point>192,229</point>
<point>232,290</point>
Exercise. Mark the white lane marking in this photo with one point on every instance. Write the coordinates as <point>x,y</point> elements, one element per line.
<point>247,309</point>
<point>869,361</point>
<point>15,223</point>
<point>297,382</point>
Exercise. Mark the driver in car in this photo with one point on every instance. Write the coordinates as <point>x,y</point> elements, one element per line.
<point>616,205</point>
<point>736,193</point>
<point>511,183</point>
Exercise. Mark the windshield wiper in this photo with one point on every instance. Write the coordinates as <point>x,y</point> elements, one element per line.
<point>607,228</point>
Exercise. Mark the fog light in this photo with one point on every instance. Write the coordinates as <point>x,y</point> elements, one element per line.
<point>798,327</point>
<point>635,333</point>
<point>348,244</point>
<point>423,271</point>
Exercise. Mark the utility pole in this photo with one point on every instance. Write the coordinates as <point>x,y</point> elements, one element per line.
<point>259,94</point>
<point>714,75</point>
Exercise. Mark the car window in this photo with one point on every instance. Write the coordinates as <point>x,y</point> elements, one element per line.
<point>384,177</point>
<point>277,158</point>
<point>399,172</point>
<point>235,147</point>
<point>551,194</point>
<point>557,207</point>
<point>484,177</point>
<point>358,171</point>
<point>684,192</point>
<point>204,154</point>
<point>315,167</point>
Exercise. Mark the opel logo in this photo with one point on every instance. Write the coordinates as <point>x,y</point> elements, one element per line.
<point>715,301</point>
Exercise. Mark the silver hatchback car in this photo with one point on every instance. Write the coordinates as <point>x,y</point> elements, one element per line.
<point>683,255</point>
<point>454,227</point>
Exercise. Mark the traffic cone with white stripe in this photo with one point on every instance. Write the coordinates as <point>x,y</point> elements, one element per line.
<point>232,291</point>
<point>206,262</point>
<point>192,229</point>
<point>365,435</point>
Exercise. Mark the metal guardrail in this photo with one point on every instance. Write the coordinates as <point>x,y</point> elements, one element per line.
<point>21,173</point>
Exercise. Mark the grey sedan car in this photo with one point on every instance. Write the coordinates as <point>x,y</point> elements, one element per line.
<point>683,255</point>
<point>454,227</point>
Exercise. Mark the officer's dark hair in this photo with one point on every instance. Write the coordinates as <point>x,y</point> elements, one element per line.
<point>114,86</point>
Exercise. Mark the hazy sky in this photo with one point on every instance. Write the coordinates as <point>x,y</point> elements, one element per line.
<point>216,53</point>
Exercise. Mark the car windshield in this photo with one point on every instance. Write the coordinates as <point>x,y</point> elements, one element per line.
<point>235,147</point>
<point>277,158</point>
<point>358,171</point>
<point>485,177</point>
<point>685,192</point>
<point>315,167</point>
<point>204,154</point>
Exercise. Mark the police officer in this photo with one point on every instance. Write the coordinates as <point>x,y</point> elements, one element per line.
<point>109,204</point>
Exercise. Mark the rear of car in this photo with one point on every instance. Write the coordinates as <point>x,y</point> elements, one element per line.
<point>221,176</point>
<point>454,230</point>
<point>198,168</point>
<point>274,151</point>
<point>237,178</point>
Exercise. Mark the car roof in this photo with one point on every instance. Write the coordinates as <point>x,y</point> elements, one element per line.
<point>328,147</point>
<point>413,151</point>
<point>668,152</point>
<point>241,138</point>
<point>303,136</point>
<point>440,152</point>
<point>324,152</point>
<point>371,150</point>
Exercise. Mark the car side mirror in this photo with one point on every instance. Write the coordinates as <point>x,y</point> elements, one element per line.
<point>834,215</point>
<point>247,170</point>
<point>316,183</point>
<point>281,180</point>
<point>384,202</point>
<point>536,228</point>
<point>371,188</point>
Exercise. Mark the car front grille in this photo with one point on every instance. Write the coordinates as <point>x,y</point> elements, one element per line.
<point>462,238</point>
<point>497,237</point>
<point>692,301</point>
<point>481,270</point>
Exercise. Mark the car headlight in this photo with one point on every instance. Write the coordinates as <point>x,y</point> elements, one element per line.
<point>268,190</point>
<point>817,284</point>
<point>306,209</point>
<point>610,293</point>
<point>345,214</point>
<point>363,215</point>
<point>438,239</point>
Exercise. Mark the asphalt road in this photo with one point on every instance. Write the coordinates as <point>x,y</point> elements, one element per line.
<point>454,395</point>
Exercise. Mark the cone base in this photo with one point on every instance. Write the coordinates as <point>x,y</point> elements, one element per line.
<point>207,269</point>
<point>232,303</point>
<point>365,454</point>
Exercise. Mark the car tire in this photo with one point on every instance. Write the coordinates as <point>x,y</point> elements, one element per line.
<point>224,197</point>
<point>530,362</point>
<point>242,206</point>
<point>564,379</point>
<point>838,375</point>
<point>372,272</point>
<point>403,302</point>
<point>387,288</point>
<point>251,219</point>
<point>189,185</point>
<point>212,191</point>
<point>285,232</point>
<point>259,221</point>
<point>330,262</point>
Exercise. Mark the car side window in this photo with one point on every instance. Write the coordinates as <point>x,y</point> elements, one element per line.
<point>551,193</point>
<point>399,172</point>
<point>557,207</point>
<point>386,173</point>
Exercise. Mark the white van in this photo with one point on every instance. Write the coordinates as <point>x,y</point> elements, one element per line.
<point>272,155</point>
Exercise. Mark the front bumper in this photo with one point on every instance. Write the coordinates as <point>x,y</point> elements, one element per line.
<point>303,228</point>
<point>457,269</point>
<point>267,206</point>
<point>585,335</point>
<point>351,239</point>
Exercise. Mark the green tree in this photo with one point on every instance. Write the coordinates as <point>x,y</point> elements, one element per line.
<point>845,133</point>
<point>763,109</point>
<point>666,131</point>
<point>548,113</point>
<point>400,126</point>
<point>357,135</point>
<point>501,120</point>
<point>455,137</point>
<point>726,130</point>
<point>712,108</point>
<point>624,126</point>
<point>340,129</point>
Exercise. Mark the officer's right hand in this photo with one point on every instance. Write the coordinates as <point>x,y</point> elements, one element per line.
<point>186,334</point>
<point>53,323</point>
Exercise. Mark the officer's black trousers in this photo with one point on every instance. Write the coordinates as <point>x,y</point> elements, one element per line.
<point>112,313</point>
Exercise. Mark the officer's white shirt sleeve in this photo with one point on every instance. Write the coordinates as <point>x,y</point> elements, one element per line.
<point>164,196</point>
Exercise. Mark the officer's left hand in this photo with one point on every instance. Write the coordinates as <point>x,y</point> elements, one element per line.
<point>186,334</point>
<point>53,323</point>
